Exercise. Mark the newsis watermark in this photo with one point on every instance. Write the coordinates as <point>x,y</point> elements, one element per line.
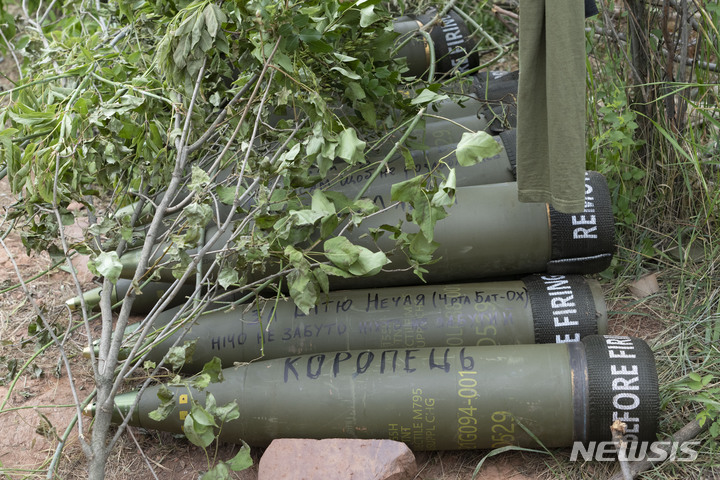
<point>636,451</point>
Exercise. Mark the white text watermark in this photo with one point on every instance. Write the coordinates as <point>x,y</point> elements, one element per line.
<point>636,451</point>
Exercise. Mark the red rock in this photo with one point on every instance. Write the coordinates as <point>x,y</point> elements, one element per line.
<point>306,459</point>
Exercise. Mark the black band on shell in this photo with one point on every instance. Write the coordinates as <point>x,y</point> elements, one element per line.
<point>584,242</point>
<point>622,385</point>
<point>563,308</point>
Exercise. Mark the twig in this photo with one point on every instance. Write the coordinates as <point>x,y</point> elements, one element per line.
<point>12,52</point>
<point>199,142</point>
<point>47,11</point>
<point>126,369</point>
<point>48,327</point>
<point>620,37</point>
<point>114,347</point>
<point>20,371</point>
<point>219,234</point>
<point>500,14</point>
<point>246,110</point>
<point>478,28</point>
<point>38,28</point>
<point>688,432</point>
<point>391,153</point>
<point>131,87</point>
<point>502,11</point>
<point>142,453</point>
<point>61,444</point>
<point>349,222</point>
<point>618,437</point>
<point>256,125</point>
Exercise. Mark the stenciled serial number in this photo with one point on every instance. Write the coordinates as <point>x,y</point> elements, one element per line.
<point>467,431</point>
<point>502,430</point>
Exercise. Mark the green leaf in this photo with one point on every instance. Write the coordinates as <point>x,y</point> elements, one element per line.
<point>211,21</point>
<point>339,199</point>
<point>181,51</point>
<point>341,252</point>
<point>306,217</point>
<point>475,147</point>
<point>242,460</point>
<point>198,427</point>
<point>328,225</point>
<point>220,471</point>
<point>368,112</point>
<point>228,276</point>
<point>322,280</point>
<point>318,46</point>
<point>202,417</point>
<point>303,290</point>
<point>213,369</point>
<point>176,357</point>
<point>295,256</point>
<point>201,381</point>
<point>350,148</point>
<point>314,144</point>
<point>166,404</point>
<point>421,249</point>
<point>197,29</point>
<point>211,404</point>
<point>292,153</point>
<point>445,196</point>
<point>107,265</point>
<point>427,96</point>
<point>407,190</point>
<point>199,179</point>
<point>368,16</point>
<point>320,203</point>
<point>365,205</point>
<point>198,214</point>
<point>426,216</point>
<point>343,58</point>
<point>332,270</point>
<point>368,263</point>
<point>347,73</point>
<point>227,194</point>
<point>227,413</point>
<point>310,35</point>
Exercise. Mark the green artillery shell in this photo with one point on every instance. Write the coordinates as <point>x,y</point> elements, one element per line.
<point>441,137</point>
<point>538,309</point>
<point>432,398</point>
<point>144,302</point>
<point>482,102</point>
<point>488,103</point>
<point>487,233</point>
<point>451,39</point>
<point>497,169</point>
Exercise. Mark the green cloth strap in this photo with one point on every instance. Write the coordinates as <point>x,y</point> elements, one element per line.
<point>551,104</point>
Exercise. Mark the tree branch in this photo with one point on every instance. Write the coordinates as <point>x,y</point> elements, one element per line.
<point>688,432</point>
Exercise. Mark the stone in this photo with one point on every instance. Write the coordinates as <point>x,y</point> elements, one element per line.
<point>308,459</point>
